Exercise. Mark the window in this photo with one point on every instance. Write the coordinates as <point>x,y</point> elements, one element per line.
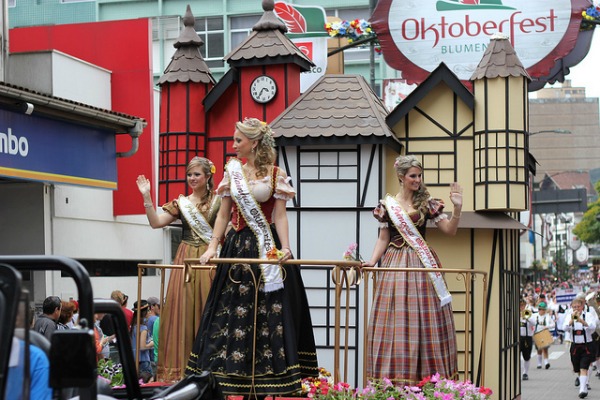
<point>240,28</point>
<point>114,268</point>
<point>12,3</point>
<point>212,32</point>
<point>326,165</point>
<point>165,32</point>
<point>72,1</point>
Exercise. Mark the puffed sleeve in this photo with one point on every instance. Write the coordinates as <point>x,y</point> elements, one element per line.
<point>224,188</point>
<point>381,215</point>
<point>436,208</point>
<point>283,189</point>
<point>172,208</point>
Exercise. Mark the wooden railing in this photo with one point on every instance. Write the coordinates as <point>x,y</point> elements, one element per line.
<point>347,276</point>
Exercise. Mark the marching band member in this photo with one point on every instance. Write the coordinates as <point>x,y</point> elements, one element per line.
<point>543,320</point>
<point>527,325</point>
<point>581,325</point>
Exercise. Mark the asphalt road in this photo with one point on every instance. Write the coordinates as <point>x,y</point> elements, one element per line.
<point>557,382</point>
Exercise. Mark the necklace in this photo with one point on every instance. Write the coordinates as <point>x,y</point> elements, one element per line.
<point>405,203</point>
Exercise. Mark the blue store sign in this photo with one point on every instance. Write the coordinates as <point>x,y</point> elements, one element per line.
<point>43,149</point>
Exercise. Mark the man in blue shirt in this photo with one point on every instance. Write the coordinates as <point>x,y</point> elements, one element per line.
<point>39,368</point>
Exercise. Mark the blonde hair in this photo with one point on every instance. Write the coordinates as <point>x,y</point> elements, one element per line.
<point>421,195</point>
<point>255,129</point>
<point>209,169</point>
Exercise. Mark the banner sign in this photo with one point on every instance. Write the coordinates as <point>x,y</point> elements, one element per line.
<point>306,28</point>
<point>48,150</point>
<point>565,296</point>
<point>416,37</point>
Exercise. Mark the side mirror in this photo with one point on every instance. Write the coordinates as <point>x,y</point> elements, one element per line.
<point>73,359</point>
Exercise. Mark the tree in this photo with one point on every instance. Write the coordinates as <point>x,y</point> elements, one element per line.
<point>588,229</point>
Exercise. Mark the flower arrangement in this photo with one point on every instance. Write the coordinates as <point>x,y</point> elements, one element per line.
<point>591,18</point>
<point>111,372</point>
<point>431,387</point>
<point>355,30</point>
<point>274,254</point>
<point>351,254</point>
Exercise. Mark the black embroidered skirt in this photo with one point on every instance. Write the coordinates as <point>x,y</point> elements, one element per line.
<point>254,342</point>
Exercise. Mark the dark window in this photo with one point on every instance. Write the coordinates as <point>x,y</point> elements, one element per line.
<point>114,267</point>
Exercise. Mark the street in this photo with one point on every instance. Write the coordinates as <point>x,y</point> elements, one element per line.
<point>558,381</point>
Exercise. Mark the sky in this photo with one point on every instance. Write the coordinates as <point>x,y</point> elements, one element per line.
<point>585,74</point>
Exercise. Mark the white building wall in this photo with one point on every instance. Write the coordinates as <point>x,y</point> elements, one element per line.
<point>336,219</point>
<point>58,74</point>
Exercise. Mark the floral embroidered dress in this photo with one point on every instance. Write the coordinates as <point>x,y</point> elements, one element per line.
<point>172,352</point>
<point>275,354</point>
<point>410,335</point>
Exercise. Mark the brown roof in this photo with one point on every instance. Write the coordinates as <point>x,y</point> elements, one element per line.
<point>335,106</point>
<point>574,180</point>
<point>499,60</point>
<point>187,63</point>
<point>268,44</point>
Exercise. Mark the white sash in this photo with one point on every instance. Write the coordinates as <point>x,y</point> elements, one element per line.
<point>195,219</point>
<point>413,238</point>
<point>256,221</point>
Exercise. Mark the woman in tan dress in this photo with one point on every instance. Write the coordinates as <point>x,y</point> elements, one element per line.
<point>197,213</point>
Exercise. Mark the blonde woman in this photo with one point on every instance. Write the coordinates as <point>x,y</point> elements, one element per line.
<point>256,333</point>
<point>197,213</point>
<point>411,332</point>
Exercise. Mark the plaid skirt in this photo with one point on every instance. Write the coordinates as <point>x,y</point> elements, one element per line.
<point>410,336</point>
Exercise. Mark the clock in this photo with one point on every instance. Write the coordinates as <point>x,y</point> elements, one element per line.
<point>263,89</point>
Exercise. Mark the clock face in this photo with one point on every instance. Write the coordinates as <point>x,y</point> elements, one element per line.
<point>263,89</point>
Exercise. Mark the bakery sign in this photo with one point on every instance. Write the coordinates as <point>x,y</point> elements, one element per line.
<point>416,36</point>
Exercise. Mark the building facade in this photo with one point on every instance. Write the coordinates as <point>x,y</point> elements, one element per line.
<point>221,24</point>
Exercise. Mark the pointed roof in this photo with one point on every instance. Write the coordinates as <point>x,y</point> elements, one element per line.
<point>500,60</point>
<point>268,44</point>
<point>342,108</point>
<point>441,74</point>
<point>187,64</point>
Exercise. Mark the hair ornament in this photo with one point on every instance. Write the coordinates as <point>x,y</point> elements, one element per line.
<point>267,138</point>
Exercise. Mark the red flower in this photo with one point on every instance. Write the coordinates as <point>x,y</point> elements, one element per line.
<point>424,382</point>
<point>486,391</point>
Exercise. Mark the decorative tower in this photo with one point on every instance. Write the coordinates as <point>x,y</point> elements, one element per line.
<point>185,83</point>
<point>263,81</point>
<point>501,123</point>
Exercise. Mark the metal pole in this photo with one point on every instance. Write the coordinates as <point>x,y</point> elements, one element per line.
<point>372,4</point>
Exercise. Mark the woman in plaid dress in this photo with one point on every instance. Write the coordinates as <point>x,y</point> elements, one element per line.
<point>411,331</point>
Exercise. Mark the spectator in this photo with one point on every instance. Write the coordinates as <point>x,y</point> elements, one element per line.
<point>66,315</point>
<point>75,319</point>
<point>155,330</point>
<point>101,340</point>
<point>46,323</point>
<point>154,312</point>
<point>153,315</point>
<point>39,367</point>
<point>122,298</point>
<point>146,343</point>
